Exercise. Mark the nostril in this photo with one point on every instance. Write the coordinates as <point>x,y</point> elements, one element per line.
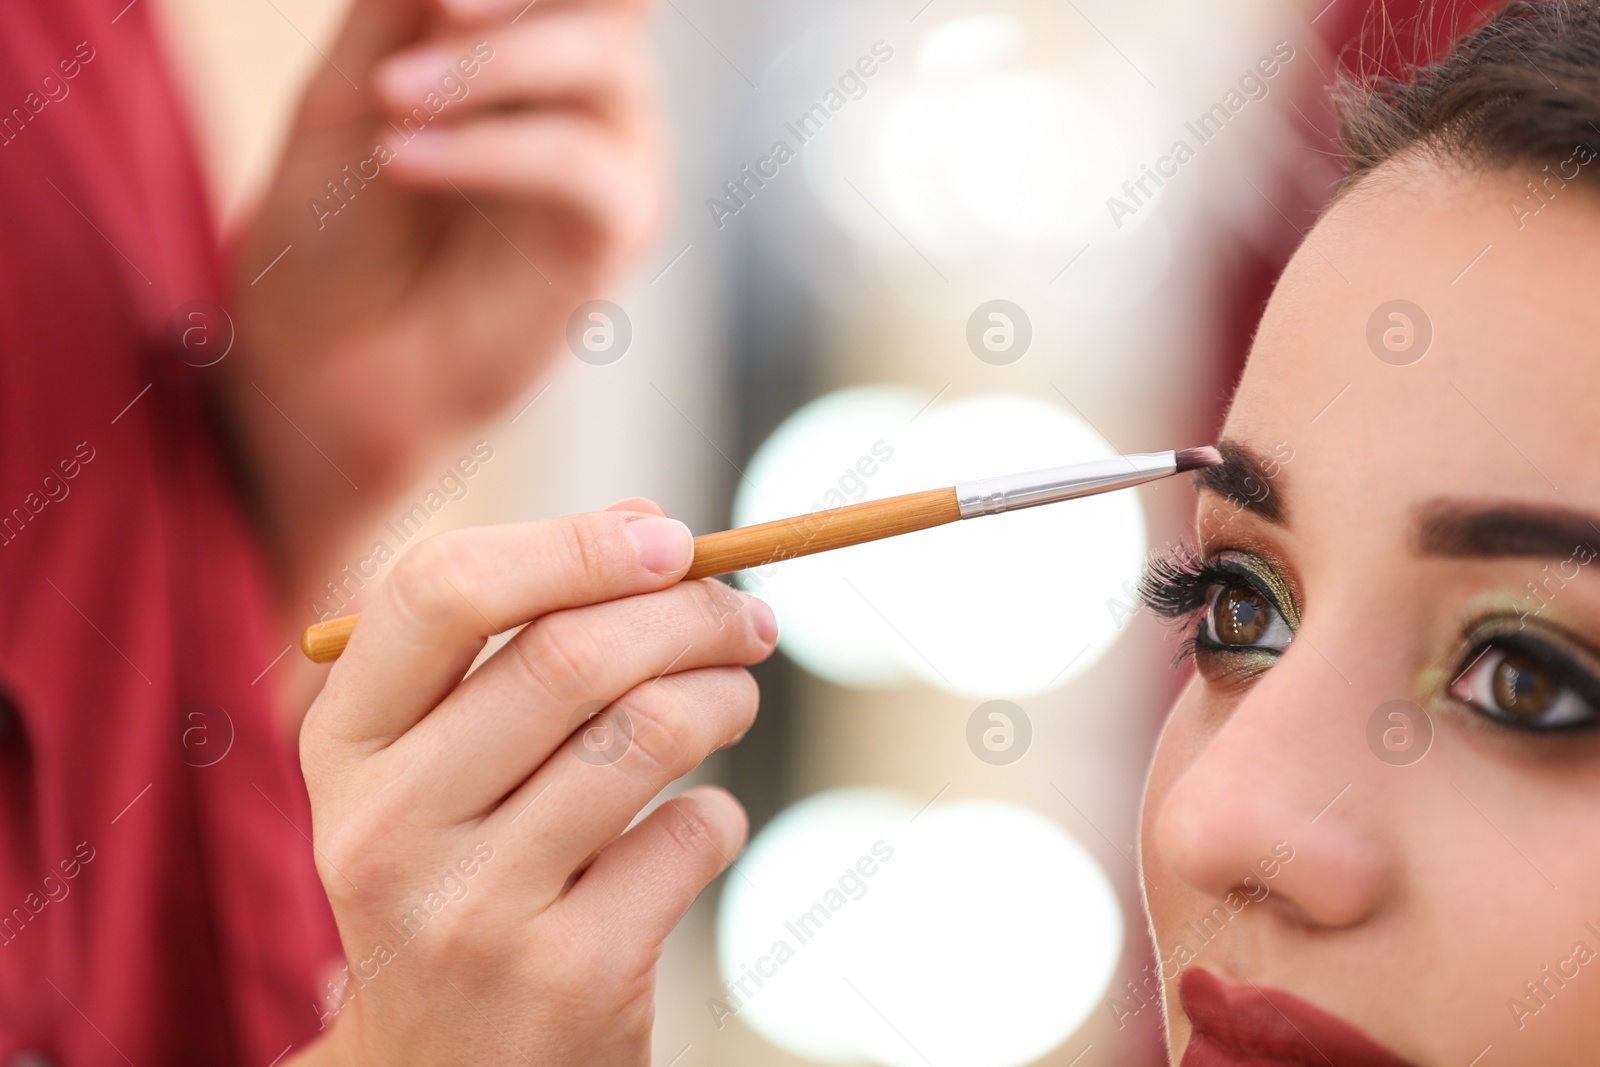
<point>1330,874</point>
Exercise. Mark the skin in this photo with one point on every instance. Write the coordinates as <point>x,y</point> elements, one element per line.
<point>492,806</point>
<point>545,953</point>
<point>1422,898</point>
<point>443,288</point>
<point>1416,903</point>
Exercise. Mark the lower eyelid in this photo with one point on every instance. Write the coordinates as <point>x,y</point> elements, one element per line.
<point>1221,664</point>
<point>1568,667</point>
<point>1571,679</point>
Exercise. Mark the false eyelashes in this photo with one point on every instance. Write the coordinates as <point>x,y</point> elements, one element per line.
<point>1176,584</point>
<point>1182,585</point>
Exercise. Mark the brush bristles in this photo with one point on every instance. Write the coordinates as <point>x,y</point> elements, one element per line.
<point>1189,459</point>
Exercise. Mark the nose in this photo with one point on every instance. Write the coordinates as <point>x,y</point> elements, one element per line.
<point>1271,802</point>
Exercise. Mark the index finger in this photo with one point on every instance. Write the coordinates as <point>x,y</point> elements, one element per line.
<point>450,593</point>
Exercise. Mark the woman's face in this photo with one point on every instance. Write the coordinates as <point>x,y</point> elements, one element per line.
<point>1375,809</point>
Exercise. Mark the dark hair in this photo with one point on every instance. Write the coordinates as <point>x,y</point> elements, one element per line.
<point>1523,88</point>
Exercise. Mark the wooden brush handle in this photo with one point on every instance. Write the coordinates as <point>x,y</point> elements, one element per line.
<point>748,546</point>
<point>323,642</point>
<point>820,531</point>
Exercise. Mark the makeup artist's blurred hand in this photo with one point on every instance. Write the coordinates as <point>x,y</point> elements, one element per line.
<point>460,176</point>
<point>472,831</point>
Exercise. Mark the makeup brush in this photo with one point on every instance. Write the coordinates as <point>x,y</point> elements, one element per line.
<point>872,520</point>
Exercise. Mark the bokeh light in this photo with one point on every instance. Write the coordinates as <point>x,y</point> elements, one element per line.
<point>993,142</point>
<point>1008,605</point>
<point>815,459</point>
<point>970,932</point>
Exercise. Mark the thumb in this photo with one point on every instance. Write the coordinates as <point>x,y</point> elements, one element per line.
<point>638,503</point>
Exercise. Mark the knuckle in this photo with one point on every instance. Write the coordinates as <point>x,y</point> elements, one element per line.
<point>580,981</point>
<point>457,928</point>
<point>312,739</point>
<point>351,859</point>
<point>582,549</point>
<point>563,656</point>
<point>659,724</point>
<point>690,829</point>
<point>718,604</point>
<point>426,581</point>
<point>316,757</point>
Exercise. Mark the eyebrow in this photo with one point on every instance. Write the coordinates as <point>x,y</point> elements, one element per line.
<point>1461,530</point>
<point>1243,478</point>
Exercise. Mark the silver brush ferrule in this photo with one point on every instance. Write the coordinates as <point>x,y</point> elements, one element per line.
<point>990,496</point>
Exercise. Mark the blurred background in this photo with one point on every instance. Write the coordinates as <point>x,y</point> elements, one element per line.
<point>913,242</point>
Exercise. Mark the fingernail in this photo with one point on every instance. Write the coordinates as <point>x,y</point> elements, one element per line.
<point>665,545</point>
<point>409,77</point>
<point>764,621</point>
<point>425,149</point>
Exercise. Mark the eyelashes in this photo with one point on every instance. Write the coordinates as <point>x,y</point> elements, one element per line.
<point>1240,616</point>
<point>1234,603</point>
<point>1526,682</point>
<point>1175,585</point>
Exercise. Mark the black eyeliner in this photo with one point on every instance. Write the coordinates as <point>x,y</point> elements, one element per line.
<point>1177,585</point>
<point>1568,672</point>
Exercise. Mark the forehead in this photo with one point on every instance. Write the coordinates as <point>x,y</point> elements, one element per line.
<point>1436,334</point>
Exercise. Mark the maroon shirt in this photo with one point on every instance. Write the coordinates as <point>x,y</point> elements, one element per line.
<point>158,902</point>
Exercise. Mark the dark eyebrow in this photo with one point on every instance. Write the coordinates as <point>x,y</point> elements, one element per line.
<point>1465,530</point>
<point>1243,478</point>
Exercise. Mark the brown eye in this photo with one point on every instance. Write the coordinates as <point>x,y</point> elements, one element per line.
<point>1529,687</point>
<point>1522,687</point>
<point>1240,616</point>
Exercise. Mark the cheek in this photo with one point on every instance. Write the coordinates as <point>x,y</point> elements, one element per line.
<point>1176,750</point>
<point>1180,744</point>
<point>1168,903</point>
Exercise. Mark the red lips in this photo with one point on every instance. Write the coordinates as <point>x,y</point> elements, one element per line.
<point>1245,1026</point>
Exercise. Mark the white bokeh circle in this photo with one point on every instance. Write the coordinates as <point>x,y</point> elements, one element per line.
<point>993,140</point>
<point>1002,606</point>
<point>983,935</point>
<point>816,459</point>
<point>801,1004</point>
